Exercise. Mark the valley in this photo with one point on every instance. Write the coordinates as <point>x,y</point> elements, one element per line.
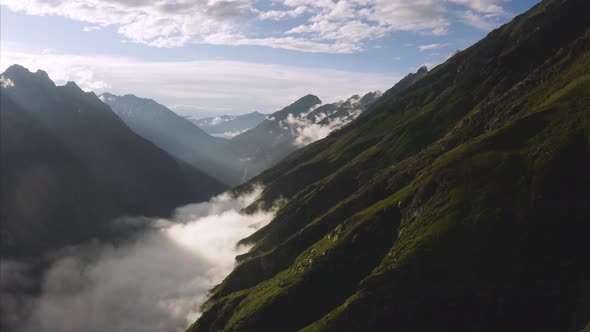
<point>455,200</point>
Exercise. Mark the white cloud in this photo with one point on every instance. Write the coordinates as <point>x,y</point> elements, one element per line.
<point>307,130</point>
<point>48,51</point>
<point>288,43</point>
<point>483,14</point>
<point>216,120</point>
<point>342,26</point>
<point>6,82</point>
<point>91,28</point>
<point>480,21</point>
<point>429,47</point>
<point>166,23</point>
<point>276,15</point>
<point>230,134</point>
<point>154,282</point>
<point>452,54</point>
<point>200,87</point>
<point>484,6</point>
<point>355,21</point>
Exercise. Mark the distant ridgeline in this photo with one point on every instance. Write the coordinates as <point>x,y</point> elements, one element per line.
<point>228,126</point>
<point>458,201</point>
<point>257,141</point>
<point>293,127</point>
<point>178,136</point>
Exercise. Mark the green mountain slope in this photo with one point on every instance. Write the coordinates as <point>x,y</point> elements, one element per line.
<point>458,202</point>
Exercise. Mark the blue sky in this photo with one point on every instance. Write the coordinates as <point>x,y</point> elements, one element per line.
<point>205,57</point>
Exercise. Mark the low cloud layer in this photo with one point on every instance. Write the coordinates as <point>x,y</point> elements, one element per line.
<point>316,124</point>
<point>308,131</point>
<point>231,134</point>
<point>6,82</point>
<point>155,282</point>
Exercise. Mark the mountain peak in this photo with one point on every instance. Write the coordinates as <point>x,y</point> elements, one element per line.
<point>422,70</point>
<point>73,87</point>
<point>16,68</point>
<point>17,72</point>
<point>131,99</point>
<point>73,90</point>
<point>307,101</point>
<point>42,74</point>
<point>303,104</point>
<point>371,97</point>
<point>310,98</point>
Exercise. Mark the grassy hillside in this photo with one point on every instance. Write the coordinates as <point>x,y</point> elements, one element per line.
<point>458,202</point>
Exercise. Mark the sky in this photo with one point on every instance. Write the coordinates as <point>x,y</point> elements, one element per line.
<point>213,57</point>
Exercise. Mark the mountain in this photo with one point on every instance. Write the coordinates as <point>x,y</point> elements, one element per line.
<point>246,154</point>
<point>228,126</point>
<point>45,187</point>
<point>343,111</point>
<point>459,202</point>
<point>177,136</point>
<point>293,127</point>
<point>269,142</point>
<point>70,165</point>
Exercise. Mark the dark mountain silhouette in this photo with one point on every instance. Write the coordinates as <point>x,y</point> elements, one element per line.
<point>70,165</point>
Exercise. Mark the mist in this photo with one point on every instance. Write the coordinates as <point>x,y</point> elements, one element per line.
<point>307,131</point>
<point>155,281</point>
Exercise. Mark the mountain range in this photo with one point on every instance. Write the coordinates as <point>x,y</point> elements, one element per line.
<point>102,157</point>
<point>70,165</point>
<point>293,127</point>
<point>244,155</point>
<point>178,136</point>
<point>458,201</point>
<point>228,126</point>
